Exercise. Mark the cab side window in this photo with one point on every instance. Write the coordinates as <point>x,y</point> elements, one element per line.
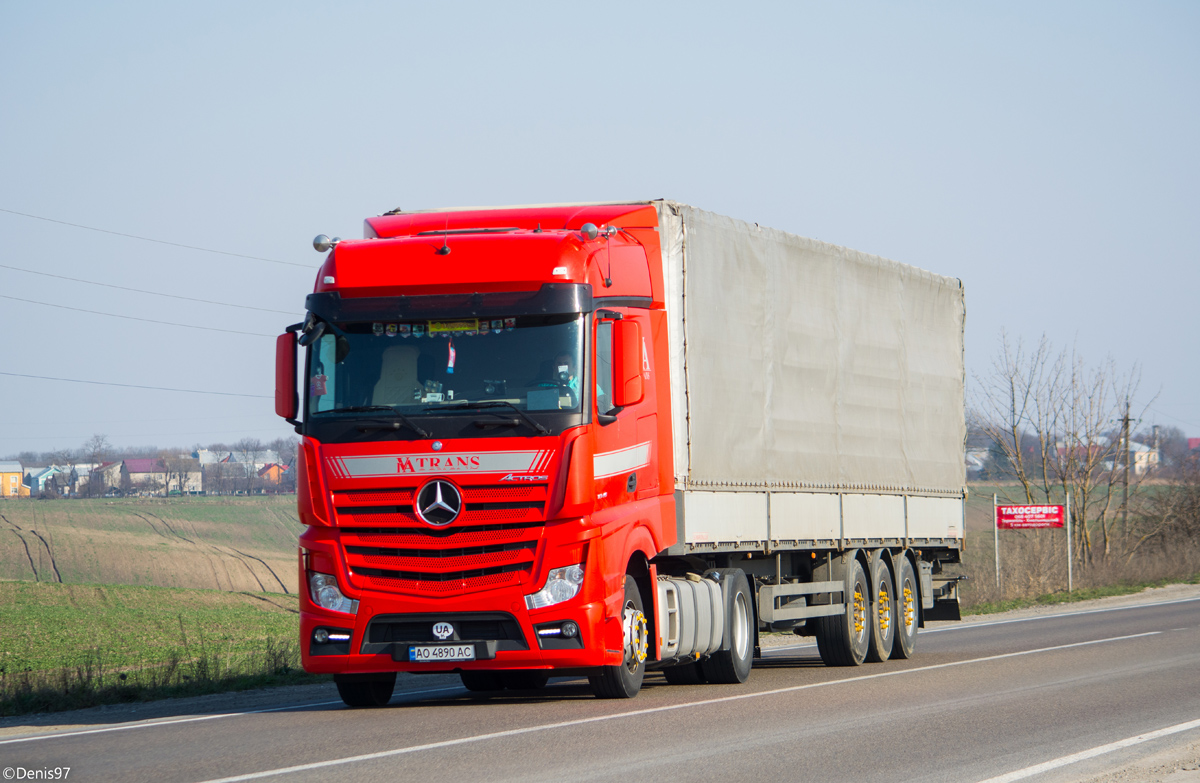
<point>604,366</point>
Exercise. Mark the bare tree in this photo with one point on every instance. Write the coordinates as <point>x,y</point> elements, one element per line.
<point>217,478</point>
<point>182,472</point>
<point>96,450</point>
<point>1052,417</point>
<point>286,448</point>
<point>246,451</point>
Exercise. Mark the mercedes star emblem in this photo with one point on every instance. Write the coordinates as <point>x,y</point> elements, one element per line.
<point>439,502</point>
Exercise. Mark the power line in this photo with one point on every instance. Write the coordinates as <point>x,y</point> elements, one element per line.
<point>134,386</point>
<point>157,241</point>
<point>1176,418</point>
<point>142,291</point>
<point>208,433</point>
<point>134,318</point>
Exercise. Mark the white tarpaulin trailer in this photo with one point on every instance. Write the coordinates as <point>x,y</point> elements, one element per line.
<point>817,392</point>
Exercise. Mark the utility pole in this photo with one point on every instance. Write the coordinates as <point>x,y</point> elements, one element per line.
<point>1125,481</point>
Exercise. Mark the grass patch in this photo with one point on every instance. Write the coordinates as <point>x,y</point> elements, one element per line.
<point>71,646</point>
<point>1063,597</point>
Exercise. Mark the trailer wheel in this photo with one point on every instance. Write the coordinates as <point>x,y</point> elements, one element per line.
<point>369,691</point>
<point>684,674</point>
<point>908,601</point>
<point>843,638</point>
<point>732,666</point>
<point>883,610</point>
<point>481,681</point>
<point>625,680</point>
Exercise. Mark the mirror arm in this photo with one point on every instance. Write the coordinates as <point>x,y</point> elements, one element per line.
<point>606,419</point>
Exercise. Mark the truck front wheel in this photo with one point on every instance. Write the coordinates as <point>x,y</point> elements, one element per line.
<point>370,690</point>
<point>624,681</point>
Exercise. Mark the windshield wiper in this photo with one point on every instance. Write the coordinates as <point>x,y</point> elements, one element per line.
<point>381,408</point>
<point>466,406</point>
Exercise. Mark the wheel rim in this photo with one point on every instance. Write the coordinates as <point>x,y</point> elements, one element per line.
<point>741,626</point>
<point>860,613</point>
<point>884,610</point>
<point>637,636</point>
<point>910,608</point>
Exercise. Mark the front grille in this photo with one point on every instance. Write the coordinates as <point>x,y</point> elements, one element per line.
<point>449,576</point>
<point>493,543</point>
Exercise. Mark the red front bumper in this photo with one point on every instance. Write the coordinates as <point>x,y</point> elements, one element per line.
<point>408,614</point>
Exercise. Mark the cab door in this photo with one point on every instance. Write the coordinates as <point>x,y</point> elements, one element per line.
<point>625,462</point>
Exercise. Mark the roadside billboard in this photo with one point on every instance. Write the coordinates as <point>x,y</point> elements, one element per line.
<point>1023,517</point>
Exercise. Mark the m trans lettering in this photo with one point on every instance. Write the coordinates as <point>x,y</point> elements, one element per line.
<point>449,462</point>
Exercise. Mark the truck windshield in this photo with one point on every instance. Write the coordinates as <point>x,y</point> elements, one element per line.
<point>436,368</point>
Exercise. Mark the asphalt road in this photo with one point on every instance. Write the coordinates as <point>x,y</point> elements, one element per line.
<point>991,699</point>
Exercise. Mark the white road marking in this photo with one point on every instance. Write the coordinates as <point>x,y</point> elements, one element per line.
<point>194,719</point>
<point>650,711</point>
<point>1046,766</point>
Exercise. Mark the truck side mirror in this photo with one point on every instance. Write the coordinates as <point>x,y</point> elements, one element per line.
<point>628,388</point>
<point>287,402</point>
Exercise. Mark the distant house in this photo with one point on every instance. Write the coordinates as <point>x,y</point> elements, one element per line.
<point>977,461</point>
<point>272,472</point>
<point>146,475</point>
<point>105,476</point>
<point>43,479</point>
<point>244,463</point>
<point>1193,444</point>
<point>12,484</point>
<point>1143,459</point>
<point>157,476</point>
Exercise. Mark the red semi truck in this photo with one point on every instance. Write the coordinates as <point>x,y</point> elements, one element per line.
<point>606,439</point>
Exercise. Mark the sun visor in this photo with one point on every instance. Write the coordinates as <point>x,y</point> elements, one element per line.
<point>552,298</point>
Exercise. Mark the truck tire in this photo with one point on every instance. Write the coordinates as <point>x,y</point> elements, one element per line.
<point>481,681</point>
<point>908,604</point>
<point>843,639</point>
<point>732,666</point>
<point>373,690</point>
<point>525,680</point>
<point>883,610</point>
<point>625,680</point>
<point>684,674</point>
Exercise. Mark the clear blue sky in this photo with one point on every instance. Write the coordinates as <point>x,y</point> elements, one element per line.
<point>1047,154</point>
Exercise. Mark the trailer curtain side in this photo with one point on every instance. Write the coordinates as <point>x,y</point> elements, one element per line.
<point>803,367</point>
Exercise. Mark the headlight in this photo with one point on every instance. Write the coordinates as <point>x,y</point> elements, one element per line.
<point>326,594</point>
<point>562,585</point>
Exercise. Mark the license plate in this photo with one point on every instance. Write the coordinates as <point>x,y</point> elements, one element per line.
<point>433,653</point>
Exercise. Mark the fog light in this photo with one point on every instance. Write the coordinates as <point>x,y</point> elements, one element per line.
<point>569,629</point>
<point>320,636</point>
